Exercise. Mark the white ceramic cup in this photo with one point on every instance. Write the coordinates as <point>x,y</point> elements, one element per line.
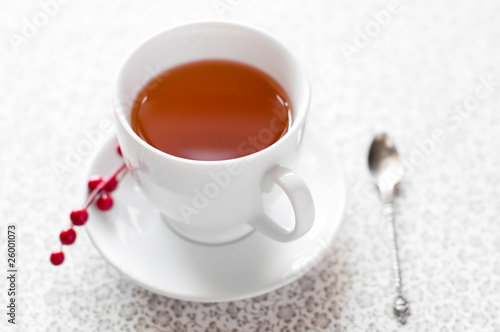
<point>217,201</point>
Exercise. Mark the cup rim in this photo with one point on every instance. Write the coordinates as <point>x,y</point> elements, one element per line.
<point>301,116</point>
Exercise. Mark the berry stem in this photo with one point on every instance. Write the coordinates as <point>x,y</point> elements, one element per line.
<point>101,185</point>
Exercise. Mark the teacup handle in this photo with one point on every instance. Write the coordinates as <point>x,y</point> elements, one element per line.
<point>302,203</point>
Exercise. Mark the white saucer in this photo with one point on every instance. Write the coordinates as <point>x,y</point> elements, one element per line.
<point>133,237</point>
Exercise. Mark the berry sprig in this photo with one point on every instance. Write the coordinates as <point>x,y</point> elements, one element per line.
<point>98,187</point>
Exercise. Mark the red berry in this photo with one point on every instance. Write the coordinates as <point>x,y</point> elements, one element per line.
<point>111,184</point>
<point>79,216</point>
<point>68,236</point>
<point>57,257</point>
<point>119,150</point>
<point>105,202</point>
<point>94,181</point>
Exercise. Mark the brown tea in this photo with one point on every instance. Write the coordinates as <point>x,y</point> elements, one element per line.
<point>211,110</point>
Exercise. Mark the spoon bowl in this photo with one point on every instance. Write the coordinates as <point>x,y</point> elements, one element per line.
<point>384,164</point>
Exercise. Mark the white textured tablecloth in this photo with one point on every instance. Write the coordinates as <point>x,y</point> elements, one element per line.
<point>410,76</point>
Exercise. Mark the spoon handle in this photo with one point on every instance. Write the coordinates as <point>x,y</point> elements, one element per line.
<point>400,306</point>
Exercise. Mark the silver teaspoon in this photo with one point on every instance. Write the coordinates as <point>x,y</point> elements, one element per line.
<point>384,162</point>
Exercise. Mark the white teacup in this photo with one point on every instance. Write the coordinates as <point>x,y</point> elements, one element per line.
<point>217,201</point>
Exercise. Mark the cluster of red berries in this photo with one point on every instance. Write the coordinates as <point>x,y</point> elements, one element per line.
<point>98,187</point>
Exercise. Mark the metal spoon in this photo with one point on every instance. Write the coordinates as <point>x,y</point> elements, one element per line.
<point>383,161</point>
